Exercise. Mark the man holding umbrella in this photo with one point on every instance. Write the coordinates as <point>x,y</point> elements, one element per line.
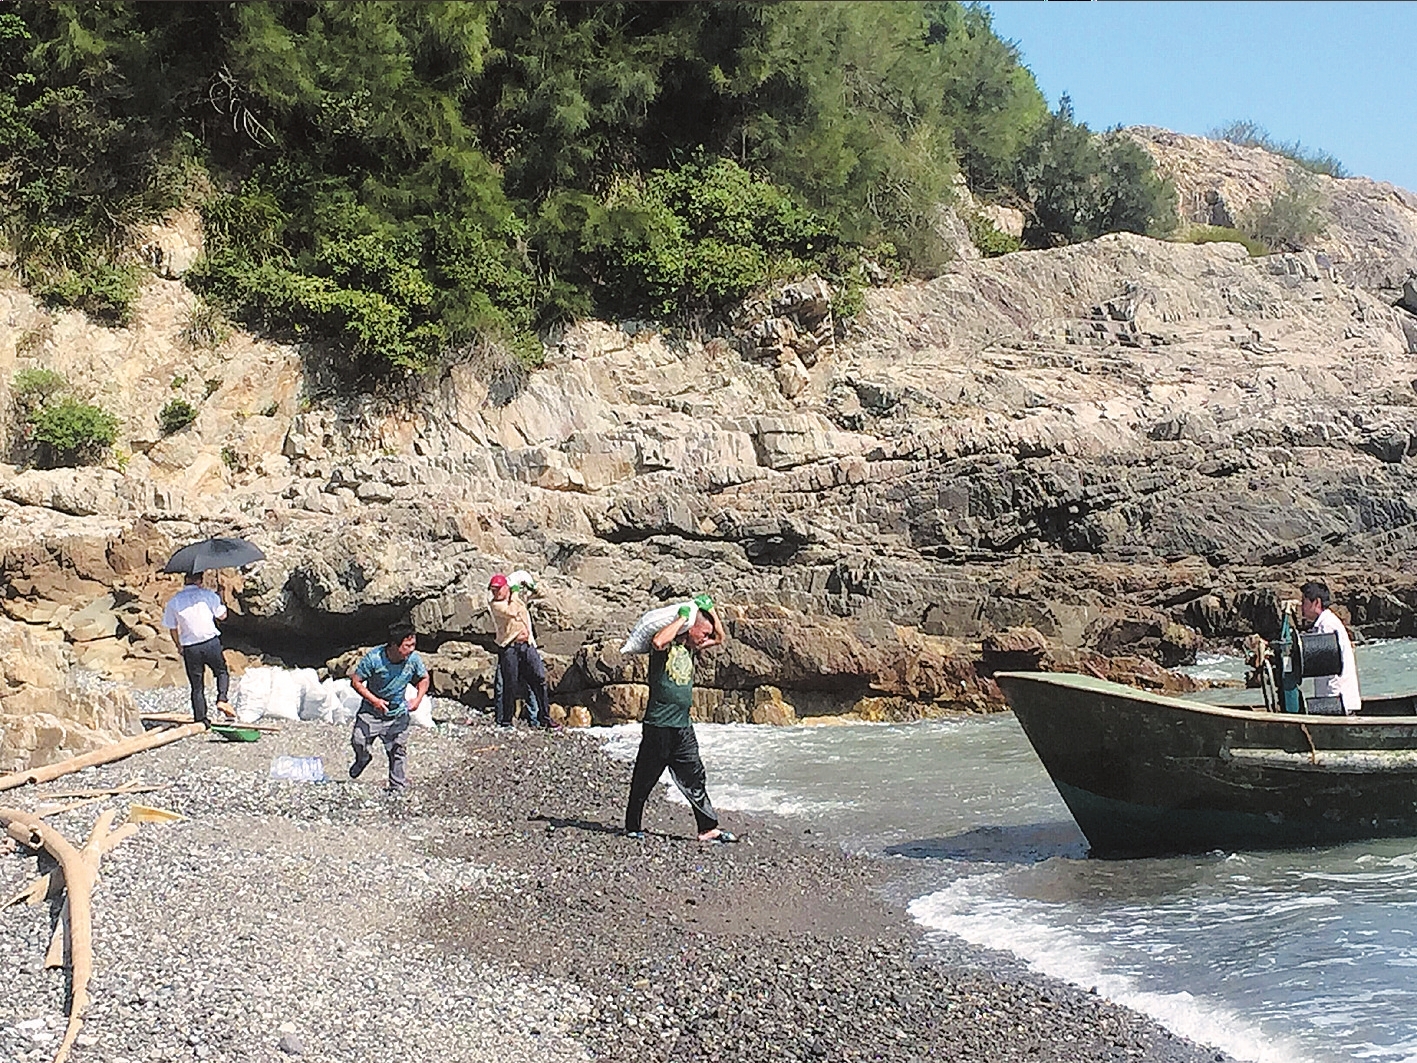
<point>190,618</point>
<point>191,615</point>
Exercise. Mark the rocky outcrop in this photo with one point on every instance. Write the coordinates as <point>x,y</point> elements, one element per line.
<point>49,708</point>
<point>1370,236</point>
<point>1091,457</point>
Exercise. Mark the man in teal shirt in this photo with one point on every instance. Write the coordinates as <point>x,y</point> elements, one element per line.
<point>382,678</point>
<point>667,734</point>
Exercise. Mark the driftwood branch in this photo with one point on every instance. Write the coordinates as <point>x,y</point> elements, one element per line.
<point>79,867</point>
<point>34,893</point>
<point>231,721</point>
<point>79,877</point>
<point>57,955</point>
<point>126,748</point>
<point>45,811</point>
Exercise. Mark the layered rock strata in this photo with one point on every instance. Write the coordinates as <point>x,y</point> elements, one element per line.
<point>1091,457</point>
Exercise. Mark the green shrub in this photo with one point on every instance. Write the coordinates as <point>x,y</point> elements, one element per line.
<point>698,237</point>
<point>989,238</point>
<point>1253,135</point>
<point>32,388</point>
<point>103,290</point>
<point>176,415</point>
<point>1219,234</point>
<point>69,432</point>
<point>1291,219</point>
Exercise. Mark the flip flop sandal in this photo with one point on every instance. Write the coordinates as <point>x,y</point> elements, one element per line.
<point>723,837</point>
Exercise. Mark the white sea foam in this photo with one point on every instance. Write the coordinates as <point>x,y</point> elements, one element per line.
<point>1215,666</point>
<point>725,744</point>
<point>978,909</point>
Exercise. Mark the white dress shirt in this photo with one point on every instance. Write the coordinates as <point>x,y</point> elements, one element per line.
<point>193,611</point>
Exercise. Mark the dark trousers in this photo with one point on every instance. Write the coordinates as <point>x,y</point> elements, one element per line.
<point>198,658</point>
<point>677,749</point>
<point>521,674</point>
<point>393,732</point>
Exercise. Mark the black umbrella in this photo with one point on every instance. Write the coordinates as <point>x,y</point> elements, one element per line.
<point>213,553</point>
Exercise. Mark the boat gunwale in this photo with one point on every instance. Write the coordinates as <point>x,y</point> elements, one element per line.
<point>1077,681</point>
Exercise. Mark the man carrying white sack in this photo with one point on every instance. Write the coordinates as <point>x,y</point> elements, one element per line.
<point>520,671</point>
<point>667,737</point>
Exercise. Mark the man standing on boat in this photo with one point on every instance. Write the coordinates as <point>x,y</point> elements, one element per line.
<point>1314,607</point>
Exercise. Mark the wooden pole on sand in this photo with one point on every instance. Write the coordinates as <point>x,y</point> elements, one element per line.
<point>125,748</point>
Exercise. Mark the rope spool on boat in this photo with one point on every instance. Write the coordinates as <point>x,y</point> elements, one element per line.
<point>1317,654</point>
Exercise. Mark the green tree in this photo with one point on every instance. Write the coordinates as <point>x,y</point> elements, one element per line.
<point>989,99</point>
<point>371,218</point>
<point>398,181</point>
<point>1081,185</point>
<point>86,123</point>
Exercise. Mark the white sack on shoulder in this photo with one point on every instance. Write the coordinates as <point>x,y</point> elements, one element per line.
<point>641,637</point>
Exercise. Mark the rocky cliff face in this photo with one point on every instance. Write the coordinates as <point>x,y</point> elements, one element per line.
<point>1370,235</point>
<point>1090,457</point>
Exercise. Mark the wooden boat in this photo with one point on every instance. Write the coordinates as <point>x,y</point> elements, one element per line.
<point>1143,773</point>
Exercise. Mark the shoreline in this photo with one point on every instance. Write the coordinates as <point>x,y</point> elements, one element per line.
<point>498,913</point>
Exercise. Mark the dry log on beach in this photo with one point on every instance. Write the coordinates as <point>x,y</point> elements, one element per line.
<point>80,871</point>
<point>126,748</point>
<point>231,721</point>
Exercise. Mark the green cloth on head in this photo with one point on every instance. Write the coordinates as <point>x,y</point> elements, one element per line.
<point>671,686</point>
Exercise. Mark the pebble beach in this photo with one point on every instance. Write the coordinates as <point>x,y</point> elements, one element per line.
<point>497,913</point>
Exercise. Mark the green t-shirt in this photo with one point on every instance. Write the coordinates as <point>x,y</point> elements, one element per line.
<point>671,686</point>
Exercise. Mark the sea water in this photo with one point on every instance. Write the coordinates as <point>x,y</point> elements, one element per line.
<point>1293,955</point>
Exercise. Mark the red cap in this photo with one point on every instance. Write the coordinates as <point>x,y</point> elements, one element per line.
<point>498,580</point>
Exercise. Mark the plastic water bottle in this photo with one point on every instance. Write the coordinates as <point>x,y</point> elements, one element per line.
<point>298,769</point>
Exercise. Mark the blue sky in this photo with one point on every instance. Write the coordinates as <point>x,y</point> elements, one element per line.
<point>1337,76</point>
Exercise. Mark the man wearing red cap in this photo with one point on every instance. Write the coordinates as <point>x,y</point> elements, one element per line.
<point>519,665</point>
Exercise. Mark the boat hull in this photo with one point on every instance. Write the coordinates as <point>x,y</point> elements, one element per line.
<point>1145,774</point>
